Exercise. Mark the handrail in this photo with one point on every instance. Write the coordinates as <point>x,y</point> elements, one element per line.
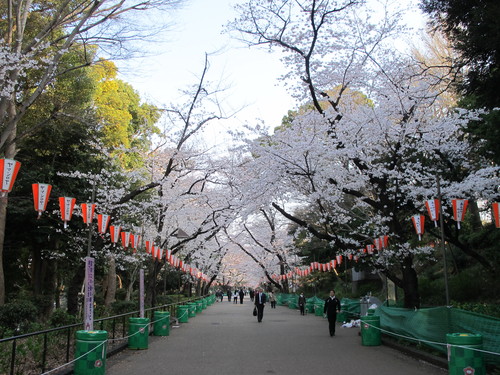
<point>66,341</point>
<point>95,321</point>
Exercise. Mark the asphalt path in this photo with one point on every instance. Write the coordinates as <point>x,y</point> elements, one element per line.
<point>226,339</point>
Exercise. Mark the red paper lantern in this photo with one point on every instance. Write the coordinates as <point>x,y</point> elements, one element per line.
<point>88,210</point>
<point>496,214</point>
<point>459,209</point>
<point>385,241</point>
<point>125,239</point>
<point>418,224</point>
<point>114,231</point>
<point>41,193</point>
<point>67,206</point>
<point>102,223</point>
<point>135,240</point>
<point>8,173</point>
<point>433,210</point>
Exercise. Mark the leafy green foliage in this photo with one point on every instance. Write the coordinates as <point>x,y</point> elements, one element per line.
<point>474,31</point>
<point>17,315</point>
<point>126,122</point>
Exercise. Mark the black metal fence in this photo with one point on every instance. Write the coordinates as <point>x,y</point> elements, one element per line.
<point>51,350</point>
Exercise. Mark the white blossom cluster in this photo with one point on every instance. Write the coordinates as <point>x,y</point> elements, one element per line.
<point>366,147</point>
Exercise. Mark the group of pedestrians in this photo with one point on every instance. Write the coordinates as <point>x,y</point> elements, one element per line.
<point>330,309</point>
<point>234,296</point>
<point>259,299</point>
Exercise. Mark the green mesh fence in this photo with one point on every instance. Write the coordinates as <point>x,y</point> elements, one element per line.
<point>315,300</point>
<point>283,298</point>
<point>352,306</point>
<point>430,326</point>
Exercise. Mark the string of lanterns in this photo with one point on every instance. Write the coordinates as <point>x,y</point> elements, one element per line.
<point>459,210</point>
<point>41,193</point>
<point>9,169</point>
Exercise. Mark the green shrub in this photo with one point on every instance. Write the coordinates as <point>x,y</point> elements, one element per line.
<point>61,317</point>
<point>18,315</point>
<point>120,294</point>
<point>490,309</point>
<point>122,307</point>
<point>168,299</point>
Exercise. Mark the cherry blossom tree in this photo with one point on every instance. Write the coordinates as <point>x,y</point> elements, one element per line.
<point>365,166</point>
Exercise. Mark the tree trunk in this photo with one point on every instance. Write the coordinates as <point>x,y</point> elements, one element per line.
<point>74,289</point>
<point>10,152</point>
<point>57,294</point>
<point>151,284</point>
<point>130,287</point>
<point>3,219</point>
<point>110,294</point>
<point>410,284</point>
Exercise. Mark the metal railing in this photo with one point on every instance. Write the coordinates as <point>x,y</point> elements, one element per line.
<point>38,352</point>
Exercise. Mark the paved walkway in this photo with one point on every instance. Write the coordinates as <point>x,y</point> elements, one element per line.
<point>226,339</point>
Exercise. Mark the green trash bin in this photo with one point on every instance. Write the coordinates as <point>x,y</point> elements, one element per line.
<point>192,309</point>
<point>462,359</point>
<point>318,309</point>
<point>204,303</point>
<point>94,344</point>
<point>199,307</point>
<point>370,330</point>
<point>138,332</point>
<point>161,326</point>
<point>183,313</point>
<point>292,305</point>
<point>370,312</point>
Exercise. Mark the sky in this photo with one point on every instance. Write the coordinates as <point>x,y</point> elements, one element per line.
<point>251,75</point>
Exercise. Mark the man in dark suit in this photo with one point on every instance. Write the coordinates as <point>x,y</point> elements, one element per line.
<point>332,305</point>
<point>260,301</point>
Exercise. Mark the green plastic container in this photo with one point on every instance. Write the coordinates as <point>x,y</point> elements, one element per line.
<point>183,313</point>
<point>161,326</point>
<point>192,309</point>
<point>94,343</point>
<point>204,303</point>
<point>370,312</point>
<point>138,331</point>
<point>199,307</point>
<point>462,359</point>
<point>318,309</point>
<point>370,332</point>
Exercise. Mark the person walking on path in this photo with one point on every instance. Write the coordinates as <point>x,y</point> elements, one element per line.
<point>260,302</point>
<point>242,294</point>
<point>229,295</point>
<point>272,300</point>
<point>332,305</point>
<point>302,304</point>
<point>235,296</point>
<point>251,294</point>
